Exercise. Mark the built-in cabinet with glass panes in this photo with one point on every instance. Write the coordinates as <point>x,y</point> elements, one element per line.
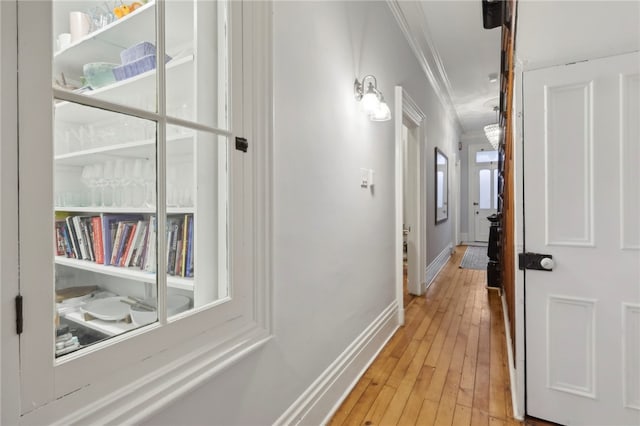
<point>140,164</point>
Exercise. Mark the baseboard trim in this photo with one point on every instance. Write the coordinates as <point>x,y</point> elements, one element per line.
<point>517,413</point>
<point>319,402</point>
<point>474,243</point>
<point>436,266</point>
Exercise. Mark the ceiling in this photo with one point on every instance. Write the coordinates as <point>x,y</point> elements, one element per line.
<point>469,53</point>
<point>460,53</point>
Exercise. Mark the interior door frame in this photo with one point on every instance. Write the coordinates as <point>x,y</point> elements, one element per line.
<point>472,182</point>
<point>406,110</point>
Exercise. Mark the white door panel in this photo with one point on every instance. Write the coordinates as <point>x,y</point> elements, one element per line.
<point>484,189</point>
<point>582,206</point>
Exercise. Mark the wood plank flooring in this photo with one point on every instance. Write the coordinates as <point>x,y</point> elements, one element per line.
<point>446,366</point>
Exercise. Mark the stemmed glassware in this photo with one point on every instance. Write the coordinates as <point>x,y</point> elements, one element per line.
<point>86,177</point>
<point>126,183</point>
<point>108,180</point>
<point>117,181</point>
<point>149,179</point>
<point>137,183</point>
<point>99,181</point>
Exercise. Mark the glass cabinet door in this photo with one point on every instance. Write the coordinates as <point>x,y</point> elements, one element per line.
<point>140,186</point>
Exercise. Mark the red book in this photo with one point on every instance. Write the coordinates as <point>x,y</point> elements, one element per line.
<point>128,245</point>
<point>98,248</point>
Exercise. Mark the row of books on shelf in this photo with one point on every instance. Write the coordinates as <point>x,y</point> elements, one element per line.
<point>126,240</point>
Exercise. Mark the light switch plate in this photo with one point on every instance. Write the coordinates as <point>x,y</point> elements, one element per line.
<point>364,178</point>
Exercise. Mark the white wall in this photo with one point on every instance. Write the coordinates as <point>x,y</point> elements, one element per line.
<point>334,242</point>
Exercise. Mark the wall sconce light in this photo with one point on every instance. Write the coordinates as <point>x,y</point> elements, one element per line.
<point>373,103</point>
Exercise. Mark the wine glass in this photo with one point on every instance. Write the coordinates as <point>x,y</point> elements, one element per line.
<point>99,181</point>
<point>137,177</point>
<point>108,180</point>
<point>172,186</point>
<point>128,183</point>
<point>118,181</point>
<point>149,178</point>
<point>87,179</point>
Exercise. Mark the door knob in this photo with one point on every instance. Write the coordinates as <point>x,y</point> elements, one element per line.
<point>547,263</point>
<point>475,204</point>
<point>535,261</point>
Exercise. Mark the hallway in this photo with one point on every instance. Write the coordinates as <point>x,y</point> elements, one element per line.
<point>447,365</point>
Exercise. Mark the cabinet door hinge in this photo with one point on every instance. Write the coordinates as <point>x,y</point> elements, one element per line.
<point>19,319</point>
<point>242,144</point>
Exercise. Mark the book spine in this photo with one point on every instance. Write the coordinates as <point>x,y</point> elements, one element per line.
<point>190,249</point>
<point>126,255</point>
<point>185,236</point>
<point>177,267</point>
<point>126,232</point>
<point>73,237</point>
<point>80,236</point>
<point>142,247</point>
<point>106,242</point>
<point>98,243</point>
<point>172,246</point>
<point>60,249</point>
<point>150,259</point>
<point>87,229</point>
<point>67,241</point>
<point>116,242</point>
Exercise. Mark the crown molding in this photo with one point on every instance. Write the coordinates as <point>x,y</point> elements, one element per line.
<point>417,35</point>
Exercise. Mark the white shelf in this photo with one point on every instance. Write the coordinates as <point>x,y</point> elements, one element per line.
<point>110,328</point>
<point>105,44</point>
<point>177,146</point>
<point>126,273</point>
<point>140,86</point>
<point>120,34</point>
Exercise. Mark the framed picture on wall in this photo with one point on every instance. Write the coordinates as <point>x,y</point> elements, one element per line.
<point>442,186</point>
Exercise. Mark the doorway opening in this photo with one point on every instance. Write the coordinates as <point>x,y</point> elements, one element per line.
<point>483,190</point>
<point>411,235</point>
<point>410,213</point>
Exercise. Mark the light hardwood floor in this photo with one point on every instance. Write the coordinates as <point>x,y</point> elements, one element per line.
<point>446,366</point>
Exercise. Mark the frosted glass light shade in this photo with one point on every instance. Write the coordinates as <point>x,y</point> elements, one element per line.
<point>382,113</point>
<point>492,132</point>
<point>370,102</point>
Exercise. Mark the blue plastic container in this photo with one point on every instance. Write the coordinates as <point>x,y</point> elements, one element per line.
<point>144,64</point>
<point>137,51</point>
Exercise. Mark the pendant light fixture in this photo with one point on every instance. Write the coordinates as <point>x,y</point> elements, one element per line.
<point>492,132</point>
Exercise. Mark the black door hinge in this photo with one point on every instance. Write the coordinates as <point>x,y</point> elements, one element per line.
<point>19,319</point>
<point>535,261</point>
<point>242,144</point>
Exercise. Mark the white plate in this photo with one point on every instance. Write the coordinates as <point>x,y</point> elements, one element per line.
<point>108,309</point>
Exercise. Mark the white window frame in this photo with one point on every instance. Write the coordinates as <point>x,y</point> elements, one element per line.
<point>130,377</point>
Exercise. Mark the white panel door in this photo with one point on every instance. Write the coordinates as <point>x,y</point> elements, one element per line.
<point>412,209</point>
<point>582,206</point>
<point>484,180</point>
